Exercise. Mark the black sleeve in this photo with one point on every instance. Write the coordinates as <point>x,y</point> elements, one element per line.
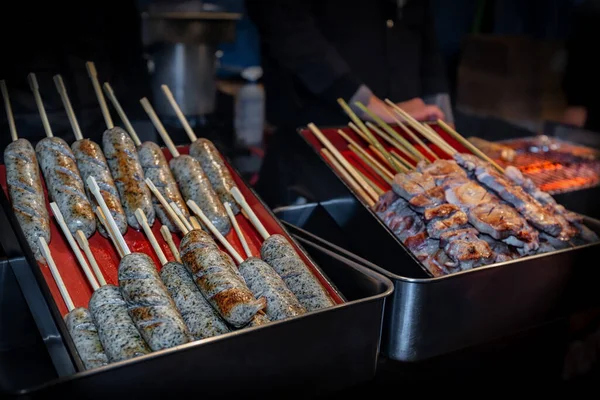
<point>433,74</point>
<point>290,36</point>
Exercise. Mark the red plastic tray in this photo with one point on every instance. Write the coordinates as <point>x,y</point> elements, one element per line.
<point>342,146</point>
<point>108,258</point>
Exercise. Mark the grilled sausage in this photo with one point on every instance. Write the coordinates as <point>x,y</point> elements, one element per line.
<point>27,194</point>
<point>157,170</point>
<point>85,337</point>
<point>149,304</point>
<point>280,254</point>
<point>220,285</point>
<point>201,319</point>
<point>65,184</point>
<point>264,281</point>
<point>195,186</point>
<point>118,334</point>
<point>217,172</point>
<point>128,175</point>
<point>91,162</point>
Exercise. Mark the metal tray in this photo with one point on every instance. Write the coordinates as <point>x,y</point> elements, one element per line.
<point>311,354</point>
<point>429,317</point>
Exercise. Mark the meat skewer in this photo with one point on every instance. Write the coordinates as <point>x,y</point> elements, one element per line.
<point>191,178</point>
<point>207,155</point>
<point>123,161</point>
<point>155,167</point>
<point>62,176</point>
<point>148,301</point>
<point>91,162</point>
<point>79,321</point>
<point>25,185</point>
<point>199,316</point>
<point>281,255</point>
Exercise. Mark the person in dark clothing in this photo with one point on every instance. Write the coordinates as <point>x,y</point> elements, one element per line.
<point>58,38</point>
<point>314,52</point>
<point>581,83</point>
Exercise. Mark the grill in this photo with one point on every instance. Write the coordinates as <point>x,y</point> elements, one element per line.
<point>554,165</point>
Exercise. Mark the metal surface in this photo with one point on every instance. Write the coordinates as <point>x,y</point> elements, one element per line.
<point>430,317</point>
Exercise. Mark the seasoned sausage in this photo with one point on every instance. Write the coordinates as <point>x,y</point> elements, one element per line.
<point>195,186</point>
<point>201,319</point>
<point>280,254</point>
<point>91,162</point>
<point>149,304</point>
<point>118,334</point>
<point>65,184</point>
<point>217,172</point>
<point>157,170</point>
<point>85,337</point>
<point>27,194</point>
<point>264,281</point>
<point>128,175</point>
<point>220,285</point>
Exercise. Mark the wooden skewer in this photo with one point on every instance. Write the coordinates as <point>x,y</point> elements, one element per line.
<point>195,223</point>
<point>365,130</point>
<point>359,132</point>
<point>9,114</point>
<point>141,218</point>
<point>103,221</point>
<point>166,234</point>
<point>115,102</point>
<point>159,127</point>
<point>399,160</point>
<point>93,74</point>
<point>373,185</point>
<point>35,88</point>
<point>364,159</point>
<point>241,200</point>
<point>349,179</point>
<point>346,165</point>
<point>56,275</point>
<point>180,215</point>
<point>194,207</point>
<point>439,138</point>
<point>184,122</point>
<point>95,190</point>
<point>166,206</point>
<point>416,155</point>
<point>358,148</point>
<point>62,91</point>
<point>85,246</point>
<point>468,145</point>
<point>412,135</point>
<point>391,141</point>
<point>237,229</point>
<point>65,229</point>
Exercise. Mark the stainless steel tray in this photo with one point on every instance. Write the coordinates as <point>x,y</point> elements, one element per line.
<point>313,354</point>
<point>428,317</point>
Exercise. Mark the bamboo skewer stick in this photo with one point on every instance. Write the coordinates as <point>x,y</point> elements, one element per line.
<point>166,206</point>
<point>237,229</point>
<point>359,132</point>
<point>166,234</point>
<point>468,145</point>
<point>373,185</point>
<point>85,246</point>
<point>194,207</point>
<point>399,160</point>
<point>35,88</point>
<point>62,91</point>
<point>115,102</point>
<point>391,141</point>
<point>195,223</point>
<point>159,127</point>
<point>56,275</point>
<point>358,148</point>
<point>365,130</point>
<point>342,161</point>
<point>181,217</point>
<point>184,122</point>
<point>241,200</point>
<point>349,179</point>
<point>412,135</point>
<point>93,74</point>
<point>377,170</point>
<point>439,138</point>
<point>412,152</point>
<point>143,221</point>
<point>9,113</point>
<point>78,255</point>
<point>103,221</point>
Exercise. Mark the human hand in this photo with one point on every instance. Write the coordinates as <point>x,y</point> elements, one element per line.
<point>575,116</point>
<point>414,107</point>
